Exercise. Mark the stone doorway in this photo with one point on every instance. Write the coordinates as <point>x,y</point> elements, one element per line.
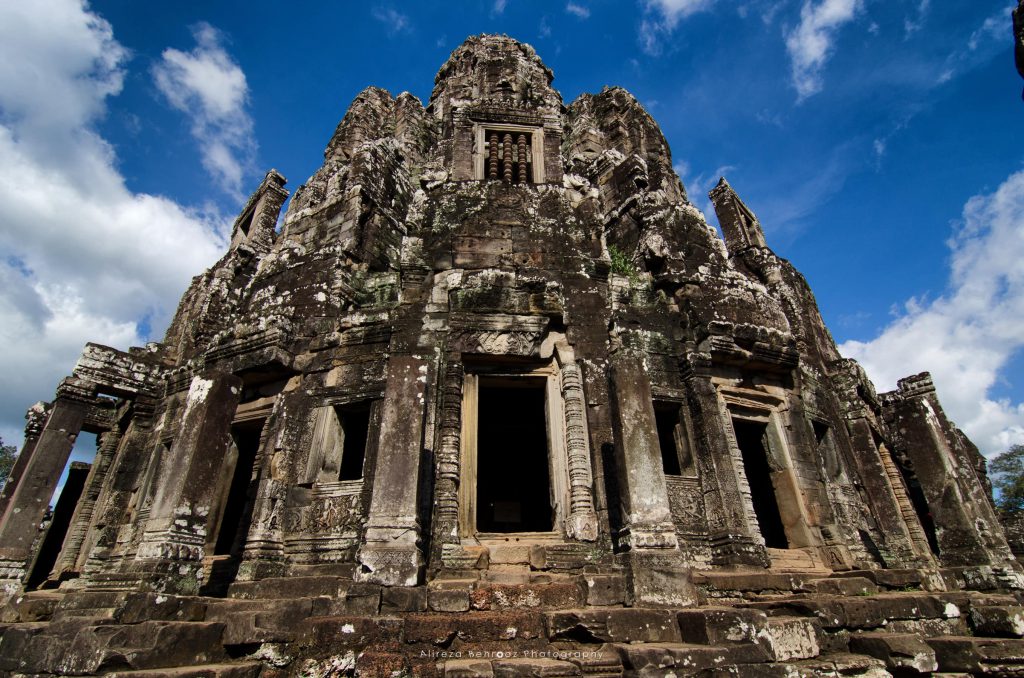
<point>513,483</point>
<point>232,518</point>
<point>751,438</point>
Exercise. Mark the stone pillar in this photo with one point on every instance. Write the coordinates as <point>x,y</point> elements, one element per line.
<point>448,463</point>
<point>582,523</point>
<point>172,545</point>
<point>734,541</point>
<point>390,554</point>
<point>657,575</point>
<point>36,416</point>
<point>31,497</point>
<point>966,526</point>
<point>889,504</point>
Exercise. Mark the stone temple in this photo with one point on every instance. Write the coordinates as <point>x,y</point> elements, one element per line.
<point>495,400</point>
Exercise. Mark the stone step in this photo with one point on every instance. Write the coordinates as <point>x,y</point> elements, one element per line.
<point>260,621</point>
<point>863,612</point>
<point>899,579</point>
<point>32,607</point>
<point>985,656</point>
<point>626,625</point>
<point>147,645</point>
<point>290,587</point>
<point>242,670</point>
<point>737,584</point>
<point>997,621</point>
<point>902,652</point>
<point>830,665</point>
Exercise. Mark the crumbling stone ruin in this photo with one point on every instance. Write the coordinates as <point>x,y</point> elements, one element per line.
<point>497,401</point>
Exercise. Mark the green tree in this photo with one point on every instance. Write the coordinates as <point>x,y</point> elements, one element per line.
<point>8,453</point>
<point>1007,473</point>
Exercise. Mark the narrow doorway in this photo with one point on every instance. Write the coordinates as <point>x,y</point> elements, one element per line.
<point>237,506</point>
<point>513,477</point>
<point>60,522</point>
<point>750,437</point>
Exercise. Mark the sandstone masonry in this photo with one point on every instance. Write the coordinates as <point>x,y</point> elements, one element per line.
<point>497,401</point>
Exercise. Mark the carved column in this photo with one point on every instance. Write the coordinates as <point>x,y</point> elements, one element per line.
<point>36,416</point>
<point>31,497</point>
<point>734,541</point>
<point>172,545</point>
<point>446,483</point>
<point>390,554</point>
<point>582,522</point>
<point>657,574</point>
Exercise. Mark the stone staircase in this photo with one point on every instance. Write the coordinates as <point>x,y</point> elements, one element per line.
<point>514,622</point>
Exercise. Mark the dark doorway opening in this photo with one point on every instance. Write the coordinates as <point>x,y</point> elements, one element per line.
<point>666,417</point>
<point>750,436</point>
<point>237,508</point>
<point>924,514</point>
<point>355,425</point>
<point>60,522</point>
<point>513,480</point>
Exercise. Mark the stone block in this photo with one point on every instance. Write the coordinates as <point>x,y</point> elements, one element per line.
<point>998,621</point>
<point>613,626</point>
<point>350,631</point>
<point>721,625</point>
<point>448,600</point>
<point>900,651</point>
<point>472,627</point>
<point>841,586</point>
<point>605,589</point>
<point>979,655</point>
<point>246,670</point>
<point>530,668</point>
<point>468,668</point>
<point>791,638</point>
<point>403,599</point>
<point>362,598</point>
<point>487,596</point>
<point>148,645</point>
<point>658,660</point>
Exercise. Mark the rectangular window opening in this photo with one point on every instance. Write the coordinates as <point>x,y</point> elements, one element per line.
<point>750,437</point>
<point>508,155</point>
<point>513,482</point>
<point>354,421</point>
<point>666,417</point>
<point>237,507</point>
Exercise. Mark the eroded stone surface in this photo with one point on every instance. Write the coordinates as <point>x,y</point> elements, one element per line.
<point>496,382</point>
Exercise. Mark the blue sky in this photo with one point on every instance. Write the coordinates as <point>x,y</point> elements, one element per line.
<point>878,141</point>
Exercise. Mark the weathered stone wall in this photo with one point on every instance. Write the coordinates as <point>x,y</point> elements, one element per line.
<point>402,279</point>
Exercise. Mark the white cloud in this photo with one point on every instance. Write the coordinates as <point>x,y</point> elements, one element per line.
<point>661,18</point>
<point>209,87</point>
<point>967,336</point>
<point>82,258</point>
<point>394,21</point>
<point>578,10</point>
<point>913,25</point>
<point>810,44</point>
<point>499,6</point>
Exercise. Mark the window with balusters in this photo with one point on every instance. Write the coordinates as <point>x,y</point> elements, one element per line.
<point>509,155</point>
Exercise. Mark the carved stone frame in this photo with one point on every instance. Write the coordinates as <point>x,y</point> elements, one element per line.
<point>764,408</point>
<point>536,133</point>
<point>568,452</point>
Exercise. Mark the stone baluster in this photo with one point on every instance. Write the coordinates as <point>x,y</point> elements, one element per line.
<point>507,158</point>
<point>522,157</point>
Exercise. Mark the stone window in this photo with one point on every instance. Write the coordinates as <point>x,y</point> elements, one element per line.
<point>673,440</point>
<point>510,153</point>
<point>513,453</point>
<point>340,438</point>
